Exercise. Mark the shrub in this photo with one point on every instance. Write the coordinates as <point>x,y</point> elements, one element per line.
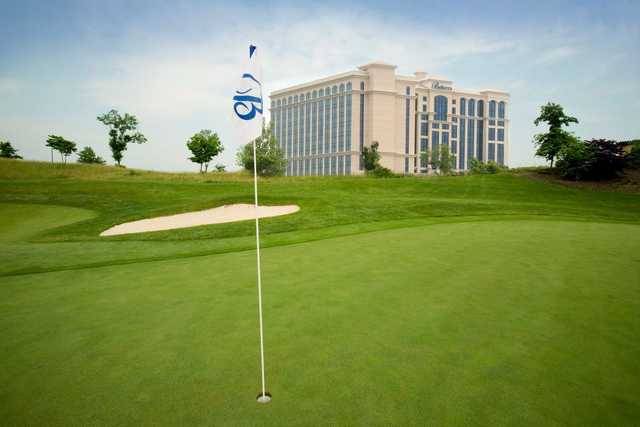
<point>597,159</point>
<point>381,172</point>
<point>490,167</point>
<point>271,161</point>
<point>370,157</point>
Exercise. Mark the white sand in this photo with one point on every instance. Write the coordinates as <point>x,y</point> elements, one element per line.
<point>227,213</point>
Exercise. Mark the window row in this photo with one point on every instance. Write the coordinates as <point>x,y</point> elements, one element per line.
<point>323,166</point>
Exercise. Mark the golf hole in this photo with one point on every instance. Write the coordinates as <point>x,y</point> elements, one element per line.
<point>264,398</point>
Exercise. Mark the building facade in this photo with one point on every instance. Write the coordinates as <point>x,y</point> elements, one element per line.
<point>322,126</point>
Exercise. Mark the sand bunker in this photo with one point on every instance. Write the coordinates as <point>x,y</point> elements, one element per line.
<point>227,213</point>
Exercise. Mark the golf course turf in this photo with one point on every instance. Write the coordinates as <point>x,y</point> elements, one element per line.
<point>476,300</point>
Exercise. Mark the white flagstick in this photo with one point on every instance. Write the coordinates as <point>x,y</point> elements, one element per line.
<point>263,398</point>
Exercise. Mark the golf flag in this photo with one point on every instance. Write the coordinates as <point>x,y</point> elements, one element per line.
<point>248,107</point>
<point>247,100</point>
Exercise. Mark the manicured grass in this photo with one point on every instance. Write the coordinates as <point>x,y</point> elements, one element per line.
<point>489,300</point>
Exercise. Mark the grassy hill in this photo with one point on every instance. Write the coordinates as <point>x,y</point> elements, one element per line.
<point>477,300</point>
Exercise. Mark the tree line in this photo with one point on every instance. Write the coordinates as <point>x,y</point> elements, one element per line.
<point>204,146</point>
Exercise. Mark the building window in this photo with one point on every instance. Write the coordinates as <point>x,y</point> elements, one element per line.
<point>435,125</point>
<point>453,101</point>
<point>471,107</point>
<point>480,140</point>
<point>453,110</point>
<point>435,140</point>
<point>445,126</point>
<point>423,129</point>
<point>492,151</point>
<point>441,107</point>
<point>500,134</point>
<point>424,108</point>
<point>341,120</point>
<point>480,108</point>
<point>470,138</point>
<point>492,122</point>
<point>492,134</point>
<point>462,135</point>
<point>501,154</point>
<point>492,109</point>
<point>501,123</point>
<point>424,143</point>
<point>348,118</point>
<point>454,131</point>
<point>360,165</point>
<point>463,107</point>
<point>501,109</point>
<point>407,129</point>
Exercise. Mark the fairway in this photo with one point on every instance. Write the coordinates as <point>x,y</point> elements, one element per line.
<point>481,300</point>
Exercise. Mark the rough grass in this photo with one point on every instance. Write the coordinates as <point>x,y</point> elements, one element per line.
<point>478,300</point>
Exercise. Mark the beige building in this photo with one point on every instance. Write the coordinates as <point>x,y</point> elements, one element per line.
<point>323,125</point>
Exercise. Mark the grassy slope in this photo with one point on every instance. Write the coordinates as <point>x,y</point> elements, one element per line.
<point>474,319</point>
<point>330,207</point>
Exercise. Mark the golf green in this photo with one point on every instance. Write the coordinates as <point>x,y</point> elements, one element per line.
<point>430,325</point>
<point>469,300</point>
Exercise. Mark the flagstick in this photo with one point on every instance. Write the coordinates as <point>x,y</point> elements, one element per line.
<point>263,398</point>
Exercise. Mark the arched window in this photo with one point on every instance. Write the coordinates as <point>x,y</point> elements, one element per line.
<point>341,87</point>
<point>334,89</point>
<point>471,107</point>
<point>441,107</point>
<point>492,109</point>
<point>408,90</point>
<point>501,110</point>
<point>463,106</point>
<point>349,86</point>
<point>315,94</point>
<point>480,108</point>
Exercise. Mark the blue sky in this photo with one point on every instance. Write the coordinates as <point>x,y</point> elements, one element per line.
<point>175,64</point>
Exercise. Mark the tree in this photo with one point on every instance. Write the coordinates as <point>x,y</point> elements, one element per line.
<point>204,146</point>
<point>549,144</point>
<point>270,158</point>
<point>440,159</point>
<point>370,156</point>
<point>122,131</point>
<point>87,155</point>
<point>7,151</point>
<point>62,145</point>
<point>220,167</point>
<point>632,158</point>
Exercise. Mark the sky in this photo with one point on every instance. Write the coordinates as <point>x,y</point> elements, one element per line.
<point>175,64</point>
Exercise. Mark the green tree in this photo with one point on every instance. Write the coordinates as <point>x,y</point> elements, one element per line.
<point>122,131</point>
<point>550,143</point>
<point>220,167</point>
<point>87,155</point>
<point>440,159</point>
<point>61,145</point>
<point>370,157</point>
<point>204,146</point>
<point>270,158</point>
<point>632,158</point>
<point>7,151</point>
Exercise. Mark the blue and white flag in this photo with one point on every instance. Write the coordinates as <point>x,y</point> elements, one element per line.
<point>248,104</point>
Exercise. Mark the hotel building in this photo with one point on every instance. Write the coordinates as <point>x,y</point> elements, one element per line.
<point>323,125</point>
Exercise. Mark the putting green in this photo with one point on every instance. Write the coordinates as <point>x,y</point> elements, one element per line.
<point>477,323</point>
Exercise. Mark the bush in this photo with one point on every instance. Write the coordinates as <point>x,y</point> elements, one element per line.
<point>597,159</point>
<point>381,172</point>
<point>271,161</point>
<point>490,167</point>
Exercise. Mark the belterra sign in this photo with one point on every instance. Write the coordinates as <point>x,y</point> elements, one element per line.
<point>437,85</point>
